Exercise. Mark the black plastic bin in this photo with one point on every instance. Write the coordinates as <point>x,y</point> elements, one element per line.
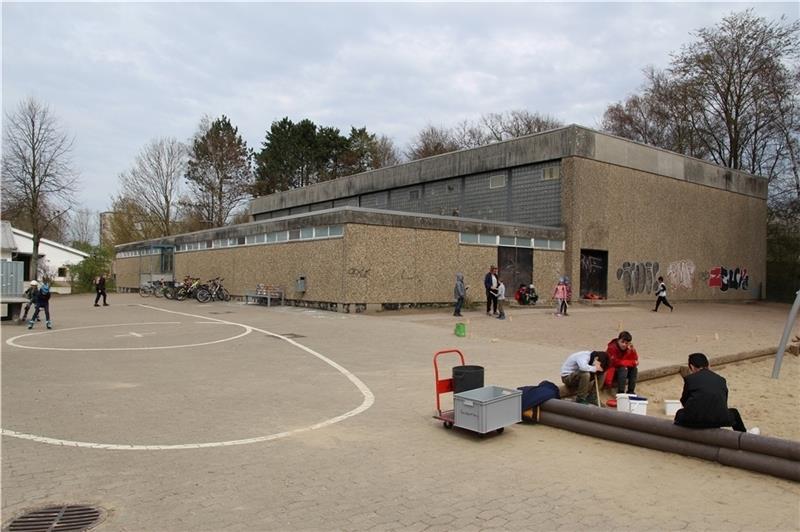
<point>467,378</point>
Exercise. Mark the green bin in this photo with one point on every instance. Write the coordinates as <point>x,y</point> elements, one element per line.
<point>461,329</point>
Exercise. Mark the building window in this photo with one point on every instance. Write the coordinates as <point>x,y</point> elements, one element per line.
<point>62,272</point>
<point>551,173</point>
<point>497,181</point>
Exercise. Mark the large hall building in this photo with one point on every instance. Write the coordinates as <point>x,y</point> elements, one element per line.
<point>610,214</point>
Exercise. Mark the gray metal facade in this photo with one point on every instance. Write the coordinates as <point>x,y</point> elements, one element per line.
<point>529,194</point>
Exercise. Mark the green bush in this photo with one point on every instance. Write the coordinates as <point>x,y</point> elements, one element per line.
<point>84,273</point>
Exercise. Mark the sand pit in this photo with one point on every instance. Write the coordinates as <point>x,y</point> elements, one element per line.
<point>772,405</point>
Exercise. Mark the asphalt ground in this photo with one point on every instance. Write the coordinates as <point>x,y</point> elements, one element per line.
<point>224,416</point>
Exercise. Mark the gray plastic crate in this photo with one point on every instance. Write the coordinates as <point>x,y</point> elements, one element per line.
<point>486,409</point>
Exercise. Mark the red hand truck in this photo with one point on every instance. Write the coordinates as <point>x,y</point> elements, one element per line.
<point>444,386</point>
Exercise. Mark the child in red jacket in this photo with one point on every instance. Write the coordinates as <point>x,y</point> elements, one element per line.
<point>623,364</point>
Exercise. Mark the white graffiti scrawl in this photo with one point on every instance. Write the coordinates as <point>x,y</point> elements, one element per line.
<point>681,274</point>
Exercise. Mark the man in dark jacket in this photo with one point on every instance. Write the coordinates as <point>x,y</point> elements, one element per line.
<point>100,288</point>
<point>490,283</point>
<point>705,399</point>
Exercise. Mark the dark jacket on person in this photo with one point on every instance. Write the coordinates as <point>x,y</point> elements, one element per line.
<point>43,295</point>
<point>704,400</point>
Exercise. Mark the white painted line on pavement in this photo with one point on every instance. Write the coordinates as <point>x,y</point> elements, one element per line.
<point>368,401</point>
<point>12,341</point>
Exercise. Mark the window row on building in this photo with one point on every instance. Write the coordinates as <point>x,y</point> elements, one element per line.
<point>510,241</point>
<point>273,237</point>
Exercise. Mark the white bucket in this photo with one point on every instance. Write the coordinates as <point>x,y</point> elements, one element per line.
<point>624,402</point>
<point>638,407</point>
<point>671,406</point>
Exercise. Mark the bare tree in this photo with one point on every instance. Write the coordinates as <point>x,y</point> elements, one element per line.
<point>38,178</point>
<point>83,227</point>
<point>736,73</point>
<point>470,135</point>
<point>730,97</point>
<point>385,152</point>
<point>517,123</point>
<point>154,182</point>
<point>432,140</point>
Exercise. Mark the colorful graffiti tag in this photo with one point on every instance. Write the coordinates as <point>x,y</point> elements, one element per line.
<point>681,274</point>
<point>638,277</point>
<point>724,278</point>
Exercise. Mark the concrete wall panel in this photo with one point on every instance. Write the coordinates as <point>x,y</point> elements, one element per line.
<point>696,237</point>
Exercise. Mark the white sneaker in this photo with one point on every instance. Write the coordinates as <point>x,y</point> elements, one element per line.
<point>755,430</point>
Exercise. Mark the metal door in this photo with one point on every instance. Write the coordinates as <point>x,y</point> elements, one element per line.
<point>594,273</point>
<point>516,268</point>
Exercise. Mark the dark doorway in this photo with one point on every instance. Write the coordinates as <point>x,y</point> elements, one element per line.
<point>516,268</point>
<point>594,274</point>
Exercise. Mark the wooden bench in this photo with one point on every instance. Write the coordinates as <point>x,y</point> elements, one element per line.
<point>265,294</point>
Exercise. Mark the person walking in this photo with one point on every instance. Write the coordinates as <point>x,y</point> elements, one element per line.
<point>42,302</point>
<point>459,293</point>
<point>490,284</point>
<point>661,295</point>
<point>100,288</point>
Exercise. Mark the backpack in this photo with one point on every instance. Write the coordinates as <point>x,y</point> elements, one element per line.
<point>44,289</point>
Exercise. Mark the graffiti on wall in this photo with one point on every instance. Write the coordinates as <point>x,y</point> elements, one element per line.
<point>638,277</point>
<point>358,272</point>
<point>724,278</point>
<point>591,264</point>
<point>680,274</point>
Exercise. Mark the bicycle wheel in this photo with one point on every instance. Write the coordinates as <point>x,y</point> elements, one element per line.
<point>159,291</point>
<point>169,292</point>
<point>145,290</point>
<point>224,294</point>
<point>203,295</point>
<point>180,295</point>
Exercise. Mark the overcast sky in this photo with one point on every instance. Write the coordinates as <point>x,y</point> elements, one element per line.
<point>118,75</point>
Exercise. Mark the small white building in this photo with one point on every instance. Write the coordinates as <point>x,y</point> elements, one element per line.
<point>54,258</point>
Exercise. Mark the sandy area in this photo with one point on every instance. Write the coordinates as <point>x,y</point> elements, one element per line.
<point>772,405</point>
<point>662,339</point>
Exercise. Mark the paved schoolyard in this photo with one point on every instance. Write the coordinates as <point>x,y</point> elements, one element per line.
<point>182,416</point>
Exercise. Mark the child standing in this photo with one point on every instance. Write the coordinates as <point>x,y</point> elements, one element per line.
<point>560,294</point>
<point>501,297</point>
<point>459,293</point>
<point>661,294</point>
<point>42,301</point>
<point>30,293</point>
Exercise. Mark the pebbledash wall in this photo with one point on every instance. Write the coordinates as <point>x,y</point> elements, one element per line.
<point>611,214</point>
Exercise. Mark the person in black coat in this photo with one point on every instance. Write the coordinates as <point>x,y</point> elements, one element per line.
<point>705,399</point>
<point>100,288</point>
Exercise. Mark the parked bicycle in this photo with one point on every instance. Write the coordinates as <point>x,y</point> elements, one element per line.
<point>189,288</point>
<point>215,291</point>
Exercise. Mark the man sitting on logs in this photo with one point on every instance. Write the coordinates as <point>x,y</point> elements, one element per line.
<point>705,399</point>
<point>578,370</point>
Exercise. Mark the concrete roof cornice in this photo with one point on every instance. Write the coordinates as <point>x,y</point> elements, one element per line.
<point>553,145</point>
